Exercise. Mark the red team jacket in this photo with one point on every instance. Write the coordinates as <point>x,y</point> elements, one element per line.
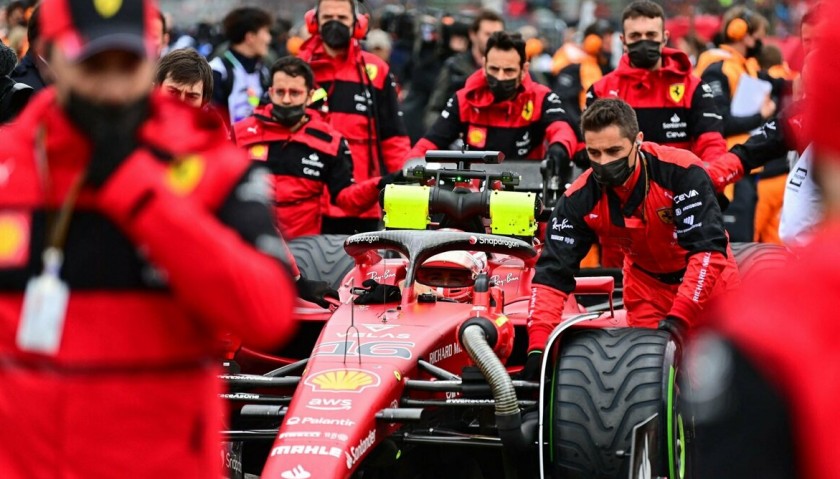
<point>301,164</point>
<point>519,127</point>
<point>673,106</point>
<point>160,262</point>
<point>363,107</point>
<point>668,224</point>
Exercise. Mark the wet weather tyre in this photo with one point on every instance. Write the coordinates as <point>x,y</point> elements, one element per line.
<point>606,382</point>
<point>755,259</point>
<point>322,258</point>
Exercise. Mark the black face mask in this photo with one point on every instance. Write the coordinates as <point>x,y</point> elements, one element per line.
<point>755,50</point>
<point>502,89</point>
<point>288,116</point>
<point>112,131</point>
<point>336,34</point>
<point>644,53</point>
<point>614,173</point>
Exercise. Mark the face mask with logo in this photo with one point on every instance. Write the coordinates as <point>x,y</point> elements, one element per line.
<point>335,34</point>
<point>288,116</point>
<point>644,53</point>
<point>614,173</point>
<point>502,89</point>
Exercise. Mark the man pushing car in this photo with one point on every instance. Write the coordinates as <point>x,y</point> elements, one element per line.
<point>657,205</point>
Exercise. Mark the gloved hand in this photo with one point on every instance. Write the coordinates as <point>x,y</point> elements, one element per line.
<point>316,292</point>
<point>559,163</point>
<point>378,293</point>
<point>676,327</point>
<point>390,178</point>
<point>581,159</point>
<point>531,371</point>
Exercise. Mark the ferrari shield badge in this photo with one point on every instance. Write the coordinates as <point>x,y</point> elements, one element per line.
<point>528,111</point>
<point>666,215</point>
<point>107,8</point>
<point>677,91</point>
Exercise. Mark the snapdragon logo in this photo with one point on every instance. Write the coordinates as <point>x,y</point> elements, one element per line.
<point>496,242</point>
<point>363,239</point>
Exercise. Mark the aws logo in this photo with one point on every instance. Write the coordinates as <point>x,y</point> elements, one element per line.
<point>107,8</point>
<point>342,380</point>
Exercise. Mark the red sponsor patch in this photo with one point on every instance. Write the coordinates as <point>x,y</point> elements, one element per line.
<point>15,231</point>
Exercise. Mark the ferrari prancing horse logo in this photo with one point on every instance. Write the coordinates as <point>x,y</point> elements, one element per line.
<point>107,8</point>
<point>677,92</point>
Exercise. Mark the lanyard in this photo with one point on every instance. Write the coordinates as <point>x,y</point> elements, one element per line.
<point>57,228</point>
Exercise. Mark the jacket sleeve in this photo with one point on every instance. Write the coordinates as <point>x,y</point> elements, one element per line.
<point>700,231</point>
<point>567,241</point>
<point>392,133</point>
<point>591,96</point>
<point>719,84</point>
<point>707,140</point>
<point>446,130</point>
<point>228,266</point>
<point>557,124</point>
<point>440,94</point>
<point>352,197</point>
<point>766,144</point>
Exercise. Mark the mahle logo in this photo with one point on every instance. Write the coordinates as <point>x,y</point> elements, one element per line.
<point>342,380</point>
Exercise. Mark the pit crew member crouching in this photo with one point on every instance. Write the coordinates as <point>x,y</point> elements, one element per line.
<point>655,203</point>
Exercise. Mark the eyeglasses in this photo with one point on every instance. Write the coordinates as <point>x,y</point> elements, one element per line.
<point>294,93</point>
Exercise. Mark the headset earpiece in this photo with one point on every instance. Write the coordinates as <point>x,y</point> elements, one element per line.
<point>592,44</point>
<point>360,26</point>
<point>739,27</point>
<point>311,20</point>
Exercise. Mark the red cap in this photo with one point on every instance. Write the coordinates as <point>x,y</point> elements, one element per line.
<point>83,28</point>
<point>822,85</point>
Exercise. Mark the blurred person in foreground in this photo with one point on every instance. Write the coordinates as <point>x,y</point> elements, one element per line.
<point>765,377</point>
<point>13,95</point>
<point>134,236</point>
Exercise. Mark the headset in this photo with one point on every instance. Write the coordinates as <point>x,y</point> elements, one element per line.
<point>361,22</point>
<point>592,44</point>
<point>739,27</point>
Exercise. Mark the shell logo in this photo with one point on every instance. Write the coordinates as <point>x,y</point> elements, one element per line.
<point>477,137</point>
<point>14,239</point>
<point>259,152</point>
<point>107,8</point>
<point>342,380</point>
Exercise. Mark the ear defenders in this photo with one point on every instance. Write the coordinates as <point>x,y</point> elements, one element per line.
<point>592,44</point>
<point>739,27</point>
<point>360,23</point>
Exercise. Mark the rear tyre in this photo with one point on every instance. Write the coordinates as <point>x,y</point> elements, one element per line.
<point>322,258</point>
<point>756,259</point>
<point>607,381</point>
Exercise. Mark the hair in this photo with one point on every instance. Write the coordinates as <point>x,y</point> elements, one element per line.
<point>770,56</point>
<point>8,60</point>
<point>33,28</point>
<point>15,5</point>
<point>241,21</point>
<point>485,15</point>
<point>642,8</point>
<point>812,16</point>
<point>187,67</point>
<point>294,67</point>
<point>352,3</point>
<point>507,41</point>
<point>600,28</point>
<point>164,27</point>
<point>606,112</point>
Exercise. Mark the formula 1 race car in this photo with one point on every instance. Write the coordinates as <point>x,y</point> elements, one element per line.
<point>414,373</point>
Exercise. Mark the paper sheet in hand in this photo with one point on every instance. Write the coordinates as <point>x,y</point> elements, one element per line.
<point>749,96</point>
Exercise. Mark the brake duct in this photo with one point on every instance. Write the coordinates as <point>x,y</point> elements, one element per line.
<point>476,336</point>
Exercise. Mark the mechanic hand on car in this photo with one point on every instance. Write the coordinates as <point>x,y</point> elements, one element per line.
<point>316,292</point>
<point>531,371</point>
<point>376,293</point>
<point>391,178</point>
<point>676,326</point>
